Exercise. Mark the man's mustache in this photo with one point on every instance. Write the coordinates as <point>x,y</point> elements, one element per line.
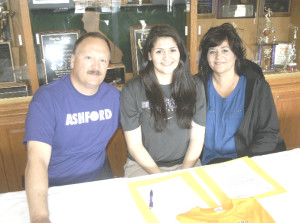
<point>94,72</point>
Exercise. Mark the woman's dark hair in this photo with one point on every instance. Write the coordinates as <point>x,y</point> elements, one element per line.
<point>183,86</point>
<point>214,37</point>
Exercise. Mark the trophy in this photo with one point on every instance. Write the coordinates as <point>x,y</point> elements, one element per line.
<point>290,64</point>
<point>3,21</point>
<point>269,29</point>
<point>267,56</point>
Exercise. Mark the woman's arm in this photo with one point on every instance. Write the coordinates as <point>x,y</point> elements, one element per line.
<point>266,131</point>
<point>195,146</point>
<point>138,151</point>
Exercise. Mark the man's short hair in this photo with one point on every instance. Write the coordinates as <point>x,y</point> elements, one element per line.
<point>90,34</point>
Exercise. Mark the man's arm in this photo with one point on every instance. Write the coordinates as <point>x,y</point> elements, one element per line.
<point>138,151</point>
<point>36,180</point>
<point>195,146</point>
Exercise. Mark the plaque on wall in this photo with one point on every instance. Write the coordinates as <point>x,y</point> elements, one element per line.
<point>279,7</point>
<point>56,49</point>
<point>6,63</point>
<point>205,7</point>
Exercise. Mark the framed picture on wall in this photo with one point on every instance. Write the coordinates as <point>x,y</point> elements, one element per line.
<point>278,7</point>
<point>138,37</point>
<point>236,9</point>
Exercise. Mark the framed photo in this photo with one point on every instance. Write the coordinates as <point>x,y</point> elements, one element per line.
<point>55,52</point>
<point>278,7</point>
<point>6,63</point>
<point>236,9</point>
<point>281,54</point>
<point>206,8</point>
<point>138,36</point>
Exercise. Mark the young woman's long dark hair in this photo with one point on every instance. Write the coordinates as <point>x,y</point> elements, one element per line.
<point>183,87</point>
<point>214,37</point>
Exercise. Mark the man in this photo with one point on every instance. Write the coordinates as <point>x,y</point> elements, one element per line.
<point>69,124</point>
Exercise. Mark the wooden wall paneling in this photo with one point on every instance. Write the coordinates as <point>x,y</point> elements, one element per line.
<point>193,33</point>
<point>286,94</point>
<point>3,181</point>
<point>19,153</point>
<point>13,155</point>
<point>289,117</point>
<point>192,36</point>
<point>13,107</point>
<point>117,153</point>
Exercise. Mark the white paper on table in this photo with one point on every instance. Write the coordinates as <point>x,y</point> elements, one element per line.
<point>237,179</point>
<point>172,195</point>
<point>170,198</point>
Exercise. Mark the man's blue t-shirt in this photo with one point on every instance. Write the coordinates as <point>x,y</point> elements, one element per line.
<point>78,127</point>
<point>224,116</point>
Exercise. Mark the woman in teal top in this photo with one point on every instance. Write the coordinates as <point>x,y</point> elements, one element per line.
<point>241,115</point>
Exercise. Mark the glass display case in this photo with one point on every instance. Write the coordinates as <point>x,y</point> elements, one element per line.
<point>16,66</point>
<point>54,25</point>
<point>268,28</point>
<point>36,48</point>
<point>33,34</point>
<point>125,23</point>
<point>36,38</point>
<point>276,37</point>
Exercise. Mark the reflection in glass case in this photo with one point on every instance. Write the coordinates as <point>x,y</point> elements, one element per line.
<point>13,71</point>
<point>276,38</point>
<point>114,20</point>
<point>6,63</point>
<point>236,8</point>
<point>26,23</point>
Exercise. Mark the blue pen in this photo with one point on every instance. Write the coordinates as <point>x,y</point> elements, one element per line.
<point>151,199</point>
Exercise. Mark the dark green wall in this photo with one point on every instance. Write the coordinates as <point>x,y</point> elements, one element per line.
<point>119,23</point>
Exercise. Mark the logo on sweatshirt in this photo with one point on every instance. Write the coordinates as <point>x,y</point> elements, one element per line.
<point>87,117</point>
<point>169,102</point>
